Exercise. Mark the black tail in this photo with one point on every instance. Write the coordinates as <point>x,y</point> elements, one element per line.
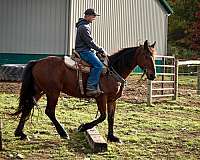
<point>26,101</point>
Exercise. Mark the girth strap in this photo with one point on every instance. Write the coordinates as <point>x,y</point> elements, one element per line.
<point>80,79</point>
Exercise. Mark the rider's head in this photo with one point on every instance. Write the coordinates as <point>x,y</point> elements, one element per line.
<point>90,15</point>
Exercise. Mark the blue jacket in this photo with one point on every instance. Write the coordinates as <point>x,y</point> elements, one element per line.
<point>84,40</point>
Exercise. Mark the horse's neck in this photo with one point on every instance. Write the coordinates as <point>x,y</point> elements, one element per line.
<point>126,74</point>
<point>125,70</point>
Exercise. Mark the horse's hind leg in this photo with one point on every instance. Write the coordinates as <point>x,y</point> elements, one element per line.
<point>24,117</point>
<point>20,127</point>
<point>50,112</point>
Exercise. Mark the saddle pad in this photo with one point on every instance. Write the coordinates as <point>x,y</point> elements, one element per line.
<point>76,65</point>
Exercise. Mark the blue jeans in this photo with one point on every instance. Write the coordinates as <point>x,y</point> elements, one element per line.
<point>95,72</point>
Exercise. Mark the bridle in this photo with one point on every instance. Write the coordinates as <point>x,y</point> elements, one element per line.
<point>118,77</point>
<point>145,68</point>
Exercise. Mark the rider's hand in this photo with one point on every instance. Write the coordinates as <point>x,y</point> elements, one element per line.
<point>104,53</point>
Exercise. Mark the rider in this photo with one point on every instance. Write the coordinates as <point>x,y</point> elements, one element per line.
<point>84,45</point>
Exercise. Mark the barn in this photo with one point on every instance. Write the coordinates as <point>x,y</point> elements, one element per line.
<point>33,29</point>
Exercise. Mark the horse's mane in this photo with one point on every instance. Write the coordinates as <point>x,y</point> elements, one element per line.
<point>123,58</point>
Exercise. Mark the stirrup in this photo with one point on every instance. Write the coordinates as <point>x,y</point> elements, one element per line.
<point>95,93</point>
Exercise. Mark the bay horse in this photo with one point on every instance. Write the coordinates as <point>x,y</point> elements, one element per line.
<point>50,76</point>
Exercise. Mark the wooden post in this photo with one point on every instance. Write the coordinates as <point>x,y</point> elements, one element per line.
<point>96,141</point>
<point>162,85</point>
<point>1,139</point>
<point>149,92</point>
<point>176,81</point>
<point>198,79</point>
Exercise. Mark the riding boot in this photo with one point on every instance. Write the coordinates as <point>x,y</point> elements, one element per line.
<point>93,92</point>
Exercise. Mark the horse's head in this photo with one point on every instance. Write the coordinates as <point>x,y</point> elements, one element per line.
<point>146,59</point>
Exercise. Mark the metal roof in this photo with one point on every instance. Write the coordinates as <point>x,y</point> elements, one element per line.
<point>166,6</point>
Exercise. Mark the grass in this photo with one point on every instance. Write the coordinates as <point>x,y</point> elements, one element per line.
<point>169,130</point>
<point>183,80</point>
<point>188,81</point>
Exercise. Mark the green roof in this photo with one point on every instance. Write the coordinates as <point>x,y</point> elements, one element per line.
<point>166,6</point>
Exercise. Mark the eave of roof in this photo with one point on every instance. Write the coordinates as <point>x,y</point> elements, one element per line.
<point>166,6</point>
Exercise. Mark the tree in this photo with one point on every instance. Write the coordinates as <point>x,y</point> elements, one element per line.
<point>181,20</point>
<point>184,32</point>
<point>195,32</point>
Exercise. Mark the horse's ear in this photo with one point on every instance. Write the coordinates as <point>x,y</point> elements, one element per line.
<point>146,45</point>
<point>153,45</point>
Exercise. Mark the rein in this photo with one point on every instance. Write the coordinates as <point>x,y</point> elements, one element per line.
<point>114,73</point>
<point>141,78</point>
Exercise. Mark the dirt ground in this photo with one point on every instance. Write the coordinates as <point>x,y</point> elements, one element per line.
<point>171,125</point>
<point>134,92</point>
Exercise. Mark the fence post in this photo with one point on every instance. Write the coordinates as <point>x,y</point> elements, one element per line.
<point>176,81</point>
<point>162,85</point>
<point>149,92</point>
<point>198,79</point>
<point>1,139</point>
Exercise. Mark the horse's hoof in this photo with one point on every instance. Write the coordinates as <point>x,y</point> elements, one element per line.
<point>81,128</point>
<point>21,136</point>
<point>84,127</point>
<point>113,138</point>
<point>66,136</point>
<point>24,137</point>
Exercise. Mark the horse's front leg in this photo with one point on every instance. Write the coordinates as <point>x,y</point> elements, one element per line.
<point>101,103</point>
<point>52,100</point>
<point>111,113</point>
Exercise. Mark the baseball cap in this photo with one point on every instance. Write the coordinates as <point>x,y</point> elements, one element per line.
<point>91,12</point>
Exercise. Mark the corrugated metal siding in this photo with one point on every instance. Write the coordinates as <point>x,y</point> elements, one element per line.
<point>124,23</point>
<point>32,26</point>
<point>41,26</point>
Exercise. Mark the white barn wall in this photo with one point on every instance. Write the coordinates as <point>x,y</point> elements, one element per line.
<point>124,23</point>
<point>32,26</point>
<point>41,26</point>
